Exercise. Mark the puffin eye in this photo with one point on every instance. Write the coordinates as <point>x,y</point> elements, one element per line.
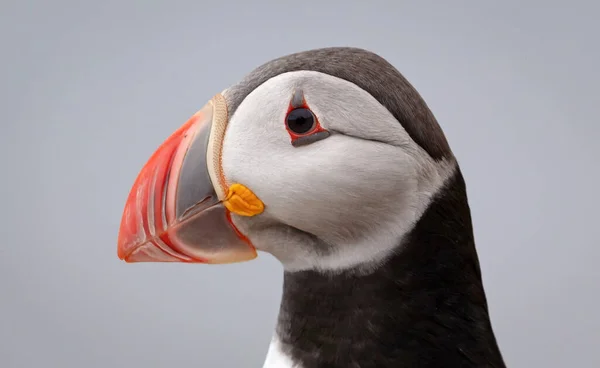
<point>303,126</point>
<point>300,121</point>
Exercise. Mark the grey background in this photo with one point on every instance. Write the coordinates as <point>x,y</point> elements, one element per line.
<point>90,88</point>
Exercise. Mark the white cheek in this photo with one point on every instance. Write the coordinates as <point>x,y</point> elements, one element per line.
<point>335,188</point>
<point>350,190</point>
<point>330,188</point>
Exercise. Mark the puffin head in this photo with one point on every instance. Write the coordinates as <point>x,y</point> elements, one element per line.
<point>325,159</point>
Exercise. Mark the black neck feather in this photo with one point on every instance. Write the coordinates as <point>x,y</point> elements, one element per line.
<point>425,307</point>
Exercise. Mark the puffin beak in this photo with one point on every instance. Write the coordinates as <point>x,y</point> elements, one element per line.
<point>179,208</point>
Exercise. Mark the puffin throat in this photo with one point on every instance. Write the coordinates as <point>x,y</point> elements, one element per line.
<point>425,306</point>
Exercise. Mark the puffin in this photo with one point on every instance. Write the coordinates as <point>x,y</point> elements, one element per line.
<point>332,162</point>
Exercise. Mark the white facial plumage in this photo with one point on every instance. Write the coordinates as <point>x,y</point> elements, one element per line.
<point>338,203</point>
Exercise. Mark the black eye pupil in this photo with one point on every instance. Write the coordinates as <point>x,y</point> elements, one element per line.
<point>300,121</point>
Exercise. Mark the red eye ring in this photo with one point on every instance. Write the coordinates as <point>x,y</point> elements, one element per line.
<point>302,124</point>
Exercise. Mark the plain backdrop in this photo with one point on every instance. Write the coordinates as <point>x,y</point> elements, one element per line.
<point>88,90</point>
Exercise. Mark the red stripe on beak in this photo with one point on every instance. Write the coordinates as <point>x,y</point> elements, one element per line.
<point>143,232</point>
